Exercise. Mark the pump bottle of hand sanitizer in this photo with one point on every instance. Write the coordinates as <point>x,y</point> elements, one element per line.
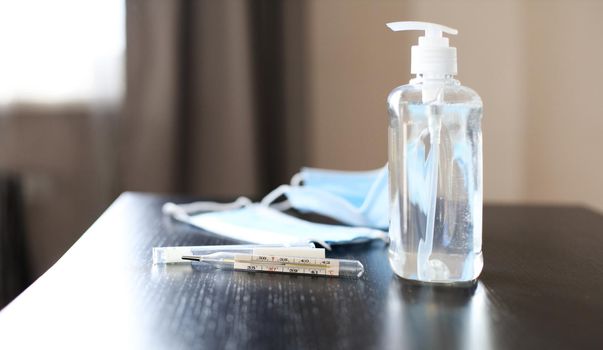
<point>435,166</point>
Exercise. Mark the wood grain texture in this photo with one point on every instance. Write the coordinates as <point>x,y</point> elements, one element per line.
<point>542,287</point>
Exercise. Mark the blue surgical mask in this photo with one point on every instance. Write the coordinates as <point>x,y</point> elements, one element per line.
<point>353,198</point>
<point>257,223</point>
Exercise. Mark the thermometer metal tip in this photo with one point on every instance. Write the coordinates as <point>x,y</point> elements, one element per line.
<point>192,258</point>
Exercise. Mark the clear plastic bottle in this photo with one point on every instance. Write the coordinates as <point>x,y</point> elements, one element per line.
<point>435,168</point>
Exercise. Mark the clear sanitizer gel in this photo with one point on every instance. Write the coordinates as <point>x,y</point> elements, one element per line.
<point>435,166</point>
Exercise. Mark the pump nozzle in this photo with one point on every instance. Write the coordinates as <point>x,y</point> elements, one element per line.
<point>432,56</point>
<point>431,29</point>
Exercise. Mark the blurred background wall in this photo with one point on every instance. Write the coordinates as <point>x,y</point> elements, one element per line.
<point>223,98</point>
<point>536,65</point>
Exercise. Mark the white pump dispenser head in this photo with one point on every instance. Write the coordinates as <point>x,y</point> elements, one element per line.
<point>432,56</point>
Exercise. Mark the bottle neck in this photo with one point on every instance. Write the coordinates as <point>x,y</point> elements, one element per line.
<point>434,78</point>
<point>431,85</point>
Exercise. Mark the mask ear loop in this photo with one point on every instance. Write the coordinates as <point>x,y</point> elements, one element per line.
<point>268,200</point>
<point>182,212</point>
<point>297,179</point>
<point>323,244</point>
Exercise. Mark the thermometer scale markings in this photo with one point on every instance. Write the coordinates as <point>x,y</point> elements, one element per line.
<point>273,263</point>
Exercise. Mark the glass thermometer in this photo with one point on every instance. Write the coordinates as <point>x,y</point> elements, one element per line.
<point>282,264</point>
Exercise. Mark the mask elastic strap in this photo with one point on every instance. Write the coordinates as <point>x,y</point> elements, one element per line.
<point>297,179</point>
<point>268,200</point>
<point>183,211</point>
<point>322,243</point>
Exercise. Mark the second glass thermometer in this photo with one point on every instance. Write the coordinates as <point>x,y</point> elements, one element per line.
<point>282,264</point>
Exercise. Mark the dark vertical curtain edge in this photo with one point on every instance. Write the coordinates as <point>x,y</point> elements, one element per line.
<point>183,109</point>
<point>277,47</point>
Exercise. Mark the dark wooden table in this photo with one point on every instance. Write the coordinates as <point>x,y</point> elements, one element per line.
<point>542,287</point>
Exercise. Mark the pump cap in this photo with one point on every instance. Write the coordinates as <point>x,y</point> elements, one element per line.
<point>432,56</point>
